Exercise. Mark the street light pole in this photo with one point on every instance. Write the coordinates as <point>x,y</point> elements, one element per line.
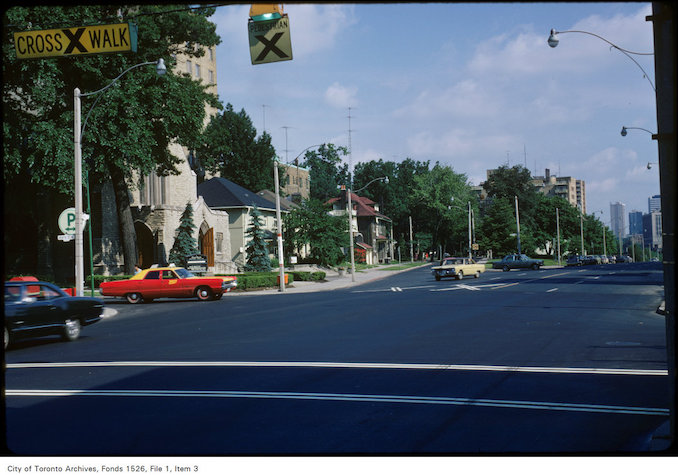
<point>77,170</point>
<point>558,233</point>
<point>281,257</point>
<point>350,233</point>
<point>79,253</point>
<point>517,224</point>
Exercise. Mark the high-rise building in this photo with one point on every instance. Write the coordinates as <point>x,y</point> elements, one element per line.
<point>618,218</point>
<point>635,222</point>
<point>654,204</point>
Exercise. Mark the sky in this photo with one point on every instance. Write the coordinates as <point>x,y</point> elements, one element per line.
<point>472,86</point>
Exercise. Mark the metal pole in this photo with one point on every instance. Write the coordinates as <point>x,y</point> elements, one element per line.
<point>281,257</point>
<point>411,242</point>
<point>470,237</point>
<point>79,260</point>
<point>558,233</point>
<point>350,233</point>
<point>517,224</point>
<point>581,230</point>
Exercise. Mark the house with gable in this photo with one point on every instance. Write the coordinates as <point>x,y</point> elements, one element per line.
<point>223,195</point>
<point>372,230</point>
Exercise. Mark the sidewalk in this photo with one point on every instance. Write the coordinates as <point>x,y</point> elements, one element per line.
<point>332,280</point>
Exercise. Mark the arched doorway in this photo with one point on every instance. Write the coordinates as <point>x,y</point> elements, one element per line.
<point>206,243</point>
<point>145,245</point>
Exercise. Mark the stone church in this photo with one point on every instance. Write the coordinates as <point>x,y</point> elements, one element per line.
<point>158,203</point>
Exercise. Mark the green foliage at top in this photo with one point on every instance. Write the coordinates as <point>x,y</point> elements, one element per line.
<point>257,249</point>
<point>326,171</point>
<point>133,121</point>
<point>185,244</point>
<point>311,226</point>
<point>229,146</point>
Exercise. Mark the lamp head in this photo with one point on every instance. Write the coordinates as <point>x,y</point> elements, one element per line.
<point>553,39</point>
<point>160,67</point>
<point>649,165</point>
<point>624,132</point>
<point>386,180</point>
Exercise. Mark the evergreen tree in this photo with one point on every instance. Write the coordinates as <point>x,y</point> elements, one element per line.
<point>257,250</point>
<point>185,244</point>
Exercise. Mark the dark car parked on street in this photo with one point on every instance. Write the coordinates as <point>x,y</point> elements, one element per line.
<point>517,261</point>
<point>36,308</point>
<point>574,261</point>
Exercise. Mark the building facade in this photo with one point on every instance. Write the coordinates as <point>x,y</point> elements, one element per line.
<point>635,223</point>
<point>295,183</point>
<point>566,187</point>
<point>372,231</point>
<point>618,219</point>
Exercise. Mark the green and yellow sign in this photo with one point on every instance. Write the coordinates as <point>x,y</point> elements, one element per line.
<point>116,38</point>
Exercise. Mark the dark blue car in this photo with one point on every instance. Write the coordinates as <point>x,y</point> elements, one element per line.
<point>40,308</point>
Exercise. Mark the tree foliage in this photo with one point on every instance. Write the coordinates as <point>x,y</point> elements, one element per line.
<point>311,226</point>
<point>129,125</point>
<point>326,171</point>
<point>230,147</point>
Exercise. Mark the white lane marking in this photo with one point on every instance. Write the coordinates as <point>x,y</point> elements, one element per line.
<point>391,289</point>
<point>327,364</point>
<point>552,290</point>
<point>553,406</point>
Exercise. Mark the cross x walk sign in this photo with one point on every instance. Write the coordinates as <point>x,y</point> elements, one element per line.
<point>116,38</point>
<point>270,40</point>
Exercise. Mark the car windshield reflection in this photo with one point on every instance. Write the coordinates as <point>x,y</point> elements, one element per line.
<point>183,273</point>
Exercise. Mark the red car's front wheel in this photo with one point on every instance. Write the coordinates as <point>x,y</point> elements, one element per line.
<point>204,293</point>
<point>134,297</point>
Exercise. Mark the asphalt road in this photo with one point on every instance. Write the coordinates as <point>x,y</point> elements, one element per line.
<point>553,361</point>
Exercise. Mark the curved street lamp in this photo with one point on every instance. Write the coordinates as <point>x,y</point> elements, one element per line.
<point>350,221</point>
<point>553,41</point>
<point>624,131</point>
<point>78,132</point>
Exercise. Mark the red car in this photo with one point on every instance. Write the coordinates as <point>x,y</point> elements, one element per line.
<point>173,282</point>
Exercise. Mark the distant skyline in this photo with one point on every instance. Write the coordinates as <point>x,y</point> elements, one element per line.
<point>472,86</point>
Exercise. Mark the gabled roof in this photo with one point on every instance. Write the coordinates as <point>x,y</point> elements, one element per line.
<point>284,202</point>
<point>363,206</point>
<point>220,193</point>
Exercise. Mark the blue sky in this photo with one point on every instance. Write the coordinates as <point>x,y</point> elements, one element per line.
<point>472,86</point>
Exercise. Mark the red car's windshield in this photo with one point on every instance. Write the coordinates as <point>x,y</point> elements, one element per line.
<point>183,273</point>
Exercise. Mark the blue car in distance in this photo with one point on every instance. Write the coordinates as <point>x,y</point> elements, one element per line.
<point>517,261</point>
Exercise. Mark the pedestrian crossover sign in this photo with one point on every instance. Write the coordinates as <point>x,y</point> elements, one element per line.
<point>116,38</point>
<point>270,40</point>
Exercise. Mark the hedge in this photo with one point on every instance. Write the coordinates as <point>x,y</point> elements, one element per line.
<point>257,280</point>
<point>306,276</point>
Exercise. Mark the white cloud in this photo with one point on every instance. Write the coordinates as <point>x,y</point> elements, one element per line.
<point>315,28</point>
<point>341,96</point>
